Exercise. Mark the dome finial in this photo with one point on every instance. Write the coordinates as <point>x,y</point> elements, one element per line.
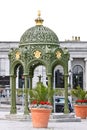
<point>39,13</point>
<point>39,20</point>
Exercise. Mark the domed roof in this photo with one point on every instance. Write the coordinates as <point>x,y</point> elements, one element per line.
<point>39,34</point>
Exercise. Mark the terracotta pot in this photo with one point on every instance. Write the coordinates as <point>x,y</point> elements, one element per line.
<point>40,117</point>
<point>86,111</point>
<point>81,111</point>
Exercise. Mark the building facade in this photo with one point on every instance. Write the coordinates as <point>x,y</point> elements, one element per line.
<point>77,66</point>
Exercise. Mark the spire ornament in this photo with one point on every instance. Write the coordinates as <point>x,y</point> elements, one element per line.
<point>39,20</point>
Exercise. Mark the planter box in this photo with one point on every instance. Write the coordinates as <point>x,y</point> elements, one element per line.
<point>81,111</point>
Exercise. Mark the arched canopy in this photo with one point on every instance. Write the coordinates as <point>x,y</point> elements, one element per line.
<point>39,45</point>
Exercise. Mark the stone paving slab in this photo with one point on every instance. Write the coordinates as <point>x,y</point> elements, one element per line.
<point>25,125</point>
<point>11,124</point>
<point>20,124</point>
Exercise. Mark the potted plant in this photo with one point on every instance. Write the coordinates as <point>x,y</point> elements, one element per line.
<point>40,105</point>
<point>80,106</point>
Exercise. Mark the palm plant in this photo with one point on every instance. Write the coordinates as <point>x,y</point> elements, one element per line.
<point>79,93</point>
<point>41,93</point>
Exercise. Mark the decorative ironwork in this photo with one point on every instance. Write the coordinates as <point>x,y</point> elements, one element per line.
<point>39,34</point>
<point>37,54</point>
<point>58,54</point>
<point>17,55</point>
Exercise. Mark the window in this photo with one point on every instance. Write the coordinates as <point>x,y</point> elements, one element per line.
<point>59,77</point>
<point>77,76</point>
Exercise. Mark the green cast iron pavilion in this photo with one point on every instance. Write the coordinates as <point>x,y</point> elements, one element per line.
<point>39,45</point>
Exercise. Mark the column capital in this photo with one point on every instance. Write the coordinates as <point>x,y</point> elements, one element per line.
<point>49,74</point>
<point>66,75</point>
<point>25,74</point>
<point>12,75</point>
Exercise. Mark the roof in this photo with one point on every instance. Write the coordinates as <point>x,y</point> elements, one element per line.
<point>39,34</point>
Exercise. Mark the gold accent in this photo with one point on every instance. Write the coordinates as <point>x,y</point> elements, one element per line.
<point>58,54</point>
<point>39,20</point>
<point>17,55</point>
<point>39,13</point>
<point>37,54</point>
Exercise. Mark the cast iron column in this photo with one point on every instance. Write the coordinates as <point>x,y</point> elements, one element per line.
<point>13,94</point>
<point>66,108</point>
<point>26,95</point>
<point>30,82</point>
<point>49,85</point>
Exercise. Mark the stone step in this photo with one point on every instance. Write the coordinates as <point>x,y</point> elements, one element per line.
<point>53,117</point>
<point>66,120</point>
<point>62,115</point>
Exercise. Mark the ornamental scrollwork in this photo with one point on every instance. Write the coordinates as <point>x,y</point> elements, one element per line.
<point>39,34</point>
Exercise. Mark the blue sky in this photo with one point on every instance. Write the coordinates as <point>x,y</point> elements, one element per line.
<point>66,18</point>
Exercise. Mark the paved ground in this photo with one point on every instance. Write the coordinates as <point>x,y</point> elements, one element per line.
<point>25,125</point>
<point>8,124</point>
